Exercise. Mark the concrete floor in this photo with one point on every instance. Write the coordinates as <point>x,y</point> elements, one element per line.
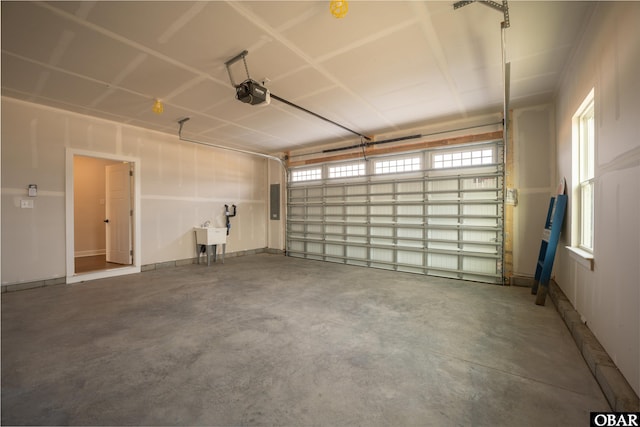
<point>271,340</point>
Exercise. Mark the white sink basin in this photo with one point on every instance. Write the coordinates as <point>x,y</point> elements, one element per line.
<point>210,235</point>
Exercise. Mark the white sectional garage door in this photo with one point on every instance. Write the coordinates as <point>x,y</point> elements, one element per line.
<point>435,212</point>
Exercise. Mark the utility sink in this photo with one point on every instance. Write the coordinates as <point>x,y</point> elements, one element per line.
<point>211,235</point>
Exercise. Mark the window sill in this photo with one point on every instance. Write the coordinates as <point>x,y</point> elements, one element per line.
<point>583,257</point>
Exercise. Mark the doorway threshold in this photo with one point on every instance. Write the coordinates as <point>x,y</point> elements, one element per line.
<point>102,274</point>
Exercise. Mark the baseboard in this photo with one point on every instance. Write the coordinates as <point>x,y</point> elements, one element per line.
<point>187,261</point>
<point>615,387</point>
<point>12,287</point>
<point>95,252</point>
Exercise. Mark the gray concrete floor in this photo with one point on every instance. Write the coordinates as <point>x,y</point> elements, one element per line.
<point>271,340</point>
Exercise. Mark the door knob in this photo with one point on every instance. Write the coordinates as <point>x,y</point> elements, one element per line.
<point>106,220</point>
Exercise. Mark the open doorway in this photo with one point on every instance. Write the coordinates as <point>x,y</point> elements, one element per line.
<point>102,213</point>
<point>102,220</point>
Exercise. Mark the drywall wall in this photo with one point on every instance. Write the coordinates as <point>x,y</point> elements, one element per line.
<point>276,227</point>
<point>607,298</point>
<point>89,205</point>
<point>182,185</point>
<point>534,178</point>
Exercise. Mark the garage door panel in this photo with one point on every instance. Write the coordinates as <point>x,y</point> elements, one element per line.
<point>448,262</point>
<point>444,222</point>
<point>356,210</point>
<point>378,254</point>
<point>414,233</point>
<point>382,231</point>
<point>409,209</point>
<point>334,250</point>
<point>381,241</point>
<point>418,244</point>
<point>356,252</point>
<point>357,230</point>
<point>411,257</point>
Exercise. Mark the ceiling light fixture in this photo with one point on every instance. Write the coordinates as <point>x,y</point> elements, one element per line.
<point>339,8</point>
<point>157,108</point>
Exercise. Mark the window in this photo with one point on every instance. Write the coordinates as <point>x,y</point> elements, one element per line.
<point>344,171</point>
<point>306,175</point>
<point>398,165</point>
<point>584,160</point>
<point>463,158</point>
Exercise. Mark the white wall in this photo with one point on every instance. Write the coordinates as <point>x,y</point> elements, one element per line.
<point>534,177</point>
<point>182,185</point>
<point>608,298</point>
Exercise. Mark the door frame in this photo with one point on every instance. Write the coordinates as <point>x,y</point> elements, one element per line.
<point>72,276</point>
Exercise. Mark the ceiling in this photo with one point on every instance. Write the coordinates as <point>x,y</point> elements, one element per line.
<point>386,66</point>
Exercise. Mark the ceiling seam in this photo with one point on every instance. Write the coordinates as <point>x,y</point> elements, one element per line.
<point>375,36</point>
<point>293,48</point>
<point>110,86</point>
<point>129,42</point>
<point>424,20</point>
<point>181,22</point>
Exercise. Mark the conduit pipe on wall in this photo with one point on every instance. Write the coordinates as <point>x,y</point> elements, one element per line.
<point>281,162</point>
<point>181,122</point>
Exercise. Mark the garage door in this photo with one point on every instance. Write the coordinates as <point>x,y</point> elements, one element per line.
<point>435,212</point>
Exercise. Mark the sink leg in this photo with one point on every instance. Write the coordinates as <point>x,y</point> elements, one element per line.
<point>198,252</point>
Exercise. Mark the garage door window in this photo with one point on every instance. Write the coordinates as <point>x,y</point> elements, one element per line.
<point>398,165</point>
<point>345,171</point>
<point>458,159</point>
<point>306,175</point>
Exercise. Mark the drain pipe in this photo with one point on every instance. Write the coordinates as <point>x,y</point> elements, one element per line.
<point>280,161</point>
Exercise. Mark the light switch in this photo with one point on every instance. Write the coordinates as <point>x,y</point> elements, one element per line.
<point>26,204</point>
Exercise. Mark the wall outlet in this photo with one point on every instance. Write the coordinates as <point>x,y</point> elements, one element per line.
<point>26,204</point>
<point>512,196</point>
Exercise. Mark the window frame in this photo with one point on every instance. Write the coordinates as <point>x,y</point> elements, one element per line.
<point>451,159</point>
<point>391,165</point>
<point>307,174</point>
<point>346,170</point>
<point>584,161</point>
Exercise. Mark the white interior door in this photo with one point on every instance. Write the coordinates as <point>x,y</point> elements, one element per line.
<point>118,213</point>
